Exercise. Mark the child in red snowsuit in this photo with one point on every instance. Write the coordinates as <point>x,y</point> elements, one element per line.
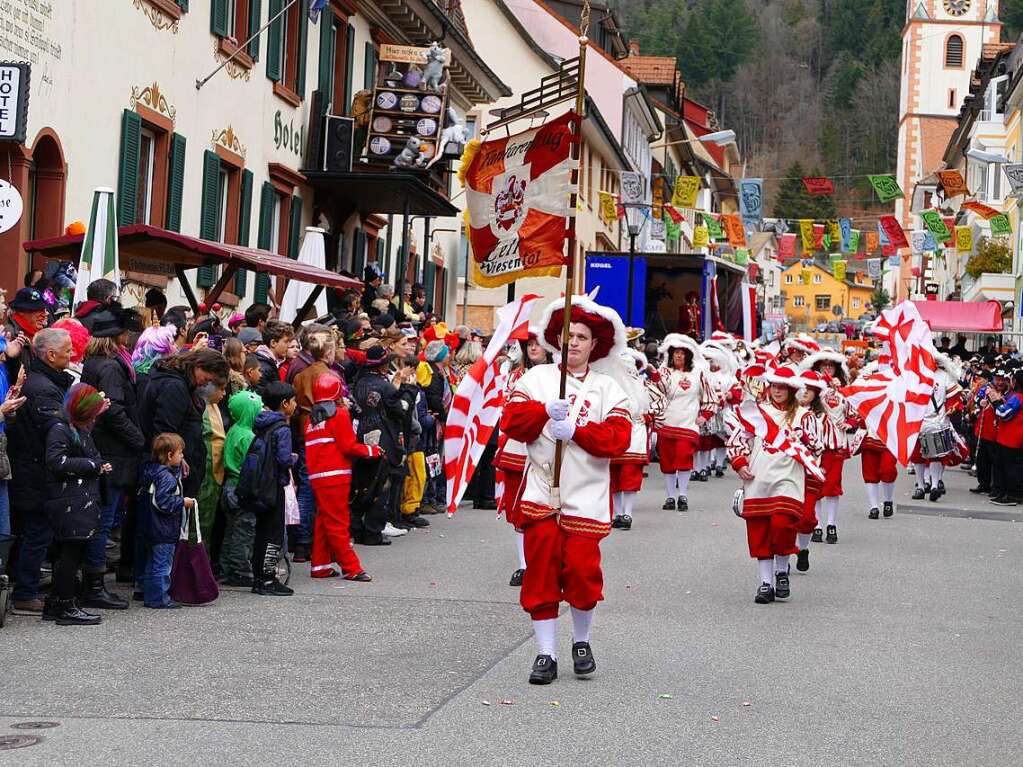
<point>330,445</point>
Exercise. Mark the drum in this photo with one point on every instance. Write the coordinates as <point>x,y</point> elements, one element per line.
<point>937,442</point>
<point>717,425</point>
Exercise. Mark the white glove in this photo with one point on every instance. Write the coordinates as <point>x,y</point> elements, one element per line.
<point>557,410</point>
<point>562,430</point>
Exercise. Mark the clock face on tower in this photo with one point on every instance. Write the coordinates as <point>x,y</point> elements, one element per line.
<point>956,7</point>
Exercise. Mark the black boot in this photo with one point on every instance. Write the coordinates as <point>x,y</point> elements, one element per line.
<point>626,522</point>
<point>51,607</point>
<point>95,594</point>
<point>889,507</point>
<point>582,659</point>
<point>818,535</point>
<point>918,494</point>
<point>832,536</point>
<point>669,505</point>
<point>803,560</point>
<point>545,670</point>
<point>70,614</point>
<point>683,503</point>
<point>874,513</point>
<point>765,594</point>
<point>781,585</point>
<point>516,579</point>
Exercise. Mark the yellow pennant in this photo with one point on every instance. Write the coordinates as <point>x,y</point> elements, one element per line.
<point>608,210</point>
<point>806,230</point>
<point>964,239</point>
<point>804,276</point>
<point>686,188</point>
<point>839,269</point>
<point>701,238</point>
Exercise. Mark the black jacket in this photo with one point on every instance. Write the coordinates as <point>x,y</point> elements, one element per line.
<point>168,404</point>
<point>72,488</point>
<point>44,391</point>
<point>117,433</point>
<point>387,409</point>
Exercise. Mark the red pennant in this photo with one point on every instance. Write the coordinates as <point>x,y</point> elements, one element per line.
<point>986,212</point>
<point>818,236</point>
<point>950,224</point>
<point>676,217</point>
<point>786,247</point>
<point>818,186</point>
<point>892,227</point>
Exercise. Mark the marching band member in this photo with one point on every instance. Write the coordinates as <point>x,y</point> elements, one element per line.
<point>725,392</point>
<point>563,526</point>
<point>627,469</point>
<point>773,482</point>
<point>795,349</point>
<point>840,417</point>
<point>946,399</point>
<point>878,466</point>
<point>682,383</point>
<point>511,454</point>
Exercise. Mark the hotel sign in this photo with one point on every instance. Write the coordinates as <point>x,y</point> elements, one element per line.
<point>14,80</point>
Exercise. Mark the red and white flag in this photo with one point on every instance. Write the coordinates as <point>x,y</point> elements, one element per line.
<point>517,193</point>
<point>479,400</point>
<point>894,401</point>
<point>749,312</point>
<point>749,417</point>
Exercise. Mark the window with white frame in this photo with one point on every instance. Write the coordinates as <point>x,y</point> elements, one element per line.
<point>817,279</point>
<point>788,279</point>
<point>798,301</point>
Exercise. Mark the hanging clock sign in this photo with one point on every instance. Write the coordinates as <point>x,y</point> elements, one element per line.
<point>11,206</point>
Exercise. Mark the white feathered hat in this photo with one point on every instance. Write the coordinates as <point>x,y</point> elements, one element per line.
<point>786,375</point>
<point>637,357</point>
<point>949,365</point>
<point>603,321</point>
<point>802,342</point>
<point>826,355</point>
<point>680,341</point>
<point>717,353</point>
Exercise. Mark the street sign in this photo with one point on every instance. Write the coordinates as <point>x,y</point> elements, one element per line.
<point>14,80</point>
<point>11,206</point>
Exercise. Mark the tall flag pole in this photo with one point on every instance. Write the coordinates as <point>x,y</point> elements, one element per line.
<point>580,106</point>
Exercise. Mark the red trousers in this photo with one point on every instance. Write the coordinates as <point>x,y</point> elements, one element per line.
<point>512,491</point>
<point>626,477</point>
<point>878,466</point>
<point>808,522</point>
<point>332,541</point>
<point>832,462</point>
<point>560,567</point>
<point>771,534</point>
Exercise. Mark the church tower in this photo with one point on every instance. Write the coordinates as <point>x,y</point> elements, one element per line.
<point>941,45</point>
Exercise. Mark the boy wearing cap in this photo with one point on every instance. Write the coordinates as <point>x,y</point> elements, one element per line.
<point>563,525</point>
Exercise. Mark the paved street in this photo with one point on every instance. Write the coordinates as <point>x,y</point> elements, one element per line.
<point>900,647</point>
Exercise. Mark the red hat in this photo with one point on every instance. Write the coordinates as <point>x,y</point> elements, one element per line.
<point>786,375</point>
<point>604,322</point>
<point>814,379</point>
<point>803,343</point>
<point>326,388</point>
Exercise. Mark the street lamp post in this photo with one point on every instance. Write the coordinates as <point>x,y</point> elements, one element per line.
<point>633,233</point>
<point>635,216</point>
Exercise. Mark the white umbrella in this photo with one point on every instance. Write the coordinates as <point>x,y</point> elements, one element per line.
<point>99,248</point>
<point>313,253</point>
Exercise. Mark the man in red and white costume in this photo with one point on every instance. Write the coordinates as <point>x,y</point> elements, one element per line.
<point>511,454</point>
<point>627,469</point>
<point>684,390</point>
<point>773,482</point>
<point>879,467</point>
<point>840,418</point>
<point>563,526</point>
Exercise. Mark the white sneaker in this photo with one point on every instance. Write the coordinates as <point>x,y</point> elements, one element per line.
<point>393,532</point>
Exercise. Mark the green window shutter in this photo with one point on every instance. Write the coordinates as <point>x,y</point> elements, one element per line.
<point>175,183</point>
<point>303,46</point>
<point>209,219</point>
<point>183,5</point>
<point>429,279</point>
<point>273,42</point>
<point>295,233</point>
<point>327,42</point>
<point>241,277</point>
<point>255,19</point>
<point>218,17</point>
<point>370,68</point>
<point>359,253</point>
<point>128,174</point>
<point>349,66</point>
<point>266,212</point>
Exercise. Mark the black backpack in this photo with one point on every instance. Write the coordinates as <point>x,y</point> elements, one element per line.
<point>257,481</point>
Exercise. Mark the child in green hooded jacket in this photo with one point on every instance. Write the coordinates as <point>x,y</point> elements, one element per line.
<point>240,529</point>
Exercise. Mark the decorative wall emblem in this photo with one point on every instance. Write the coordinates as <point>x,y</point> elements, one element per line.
<point>151,97</point>
<point>234,70</point>
<point>228,139</point>
<point>157,17</point>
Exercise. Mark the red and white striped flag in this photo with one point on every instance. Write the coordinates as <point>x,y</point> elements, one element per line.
<point>749,417</point>
<point>893,402</point>
<point>479,400</point>
<point>749,312</point>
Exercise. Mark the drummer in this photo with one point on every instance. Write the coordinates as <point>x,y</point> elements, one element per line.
<point>936,439</point>
<point>1008,462</point>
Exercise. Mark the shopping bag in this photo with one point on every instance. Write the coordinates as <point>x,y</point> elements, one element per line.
<point>192,581</point>
<point>292,516</point>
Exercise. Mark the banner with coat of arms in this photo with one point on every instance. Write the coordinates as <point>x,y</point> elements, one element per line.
<point>517,192</point>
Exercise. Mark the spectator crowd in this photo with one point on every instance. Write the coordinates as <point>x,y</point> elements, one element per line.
<point>125,430</point>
